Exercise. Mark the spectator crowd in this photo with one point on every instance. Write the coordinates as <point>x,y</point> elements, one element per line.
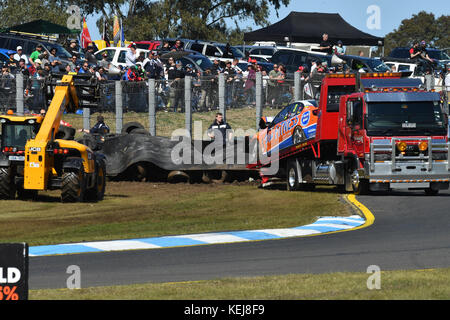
<point>170,74</point>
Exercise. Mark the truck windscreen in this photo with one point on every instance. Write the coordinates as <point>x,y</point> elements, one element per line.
<point>405,118</point>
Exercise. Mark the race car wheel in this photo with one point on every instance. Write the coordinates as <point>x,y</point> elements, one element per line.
<point>298,136</point>
<point>292,175</point>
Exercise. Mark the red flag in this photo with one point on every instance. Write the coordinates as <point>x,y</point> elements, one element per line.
<point>85,36</point>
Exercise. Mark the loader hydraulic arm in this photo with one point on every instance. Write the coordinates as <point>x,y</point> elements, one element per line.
<point>39,162</point>
<point>65,97</point>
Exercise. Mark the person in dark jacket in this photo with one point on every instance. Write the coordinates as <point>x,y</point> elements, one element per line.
<point>219,130</point>
<point>100,127</point>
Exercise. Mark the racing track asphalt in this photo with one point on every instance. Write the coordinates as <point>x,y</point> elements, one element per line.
<point>410,231</point>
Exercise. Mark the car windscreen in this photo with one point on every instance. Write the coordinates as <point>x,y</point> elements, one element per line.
<point>61,52</point>
<point>405,118</point>
<point>203,62</point>
<point>377,65</point>
<point>235,51</point>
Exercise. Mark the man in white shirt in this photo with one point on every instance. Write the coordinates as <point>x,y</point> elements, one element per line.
<point>19,55</point>
<point>131,56</point>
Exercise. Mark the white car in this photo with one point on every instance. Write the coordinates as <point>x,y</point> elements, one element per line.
<point>116,55</point>
<point>400,66</point>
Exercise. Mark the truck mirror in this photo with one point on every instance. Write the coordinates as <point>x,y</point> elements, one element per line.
<point>349,112</point>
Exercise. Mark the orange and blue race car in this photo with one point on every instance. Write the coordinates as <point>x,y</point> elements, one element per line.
<point>295,124</point>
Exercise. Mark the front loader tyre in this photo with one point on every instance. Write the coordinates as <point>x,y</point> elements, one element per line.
<point>97,193</point>
<point>73,186</point>
<point>7,186</point>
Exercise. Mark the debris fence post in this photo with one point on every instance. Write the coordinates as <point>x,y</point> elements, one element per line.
<point>152,107</point>
<point>297,86</point>
<point>19,94</point>
<point>119,110</point>
<point>222,108</point>
<point>188,104</point>
<point>259,92</point>
<point>86,118</point>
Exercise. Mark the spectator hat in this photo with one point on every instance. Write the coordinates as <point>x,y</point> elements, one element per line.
<point>178,62</point>
<point>10,52</point>
<point>19,48</point>
<point>423,42</point>
<point>189,66</point>
<point>105,54</point>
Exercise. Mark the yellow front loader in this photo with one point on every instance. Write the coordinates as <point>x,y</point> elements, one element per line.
<point>33,158</point>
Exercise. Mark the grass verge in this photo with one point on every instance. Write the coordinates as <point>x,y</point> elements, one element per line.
<point>395,285</point>
<point>136,210</point>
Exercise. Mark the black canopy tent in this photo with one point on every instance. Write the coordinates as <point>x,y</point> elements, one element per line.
<point>308,27</point>
<point>41,27</point>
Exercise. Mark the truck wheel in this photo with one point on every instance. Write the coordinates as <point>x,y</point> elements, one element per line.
<point>292,175</point>
<point>7,186</point>
<point>73,186</point>
<point>298,136</point>
<point>431,192</point>
<point>360,186</point>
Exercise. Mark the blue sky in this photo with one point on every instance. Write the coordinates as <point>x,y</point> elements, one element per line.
<point>391,13</point>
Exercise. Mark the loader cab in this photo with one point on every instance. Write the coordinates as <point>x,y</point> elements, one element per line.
<point>16,131</point>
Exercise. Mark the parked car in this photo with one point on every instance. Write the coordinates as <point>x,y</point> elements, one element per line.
<point>433,53</point>
<point>292,59</point>
<point>116,55</point>
<point>262,52</point>
<point>4,56</point>
<point>11,41</point>
<point>147,45</point>
<point>214,50</point>
<point>197,60</point>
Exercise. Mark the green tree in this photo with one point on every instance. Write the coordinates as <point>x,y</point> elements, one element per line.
<point>14,12</point>
<point>198,19</point>
<point>421,26</point>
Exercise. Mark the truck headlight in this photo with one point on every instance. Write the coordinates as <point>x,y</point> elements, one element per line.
<point>401,146</point>
<point>423,145</point>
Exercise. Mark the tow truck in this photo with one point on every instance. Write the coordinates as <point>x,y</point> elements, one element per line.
<point>374,132</point>
<point>33,159</point>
